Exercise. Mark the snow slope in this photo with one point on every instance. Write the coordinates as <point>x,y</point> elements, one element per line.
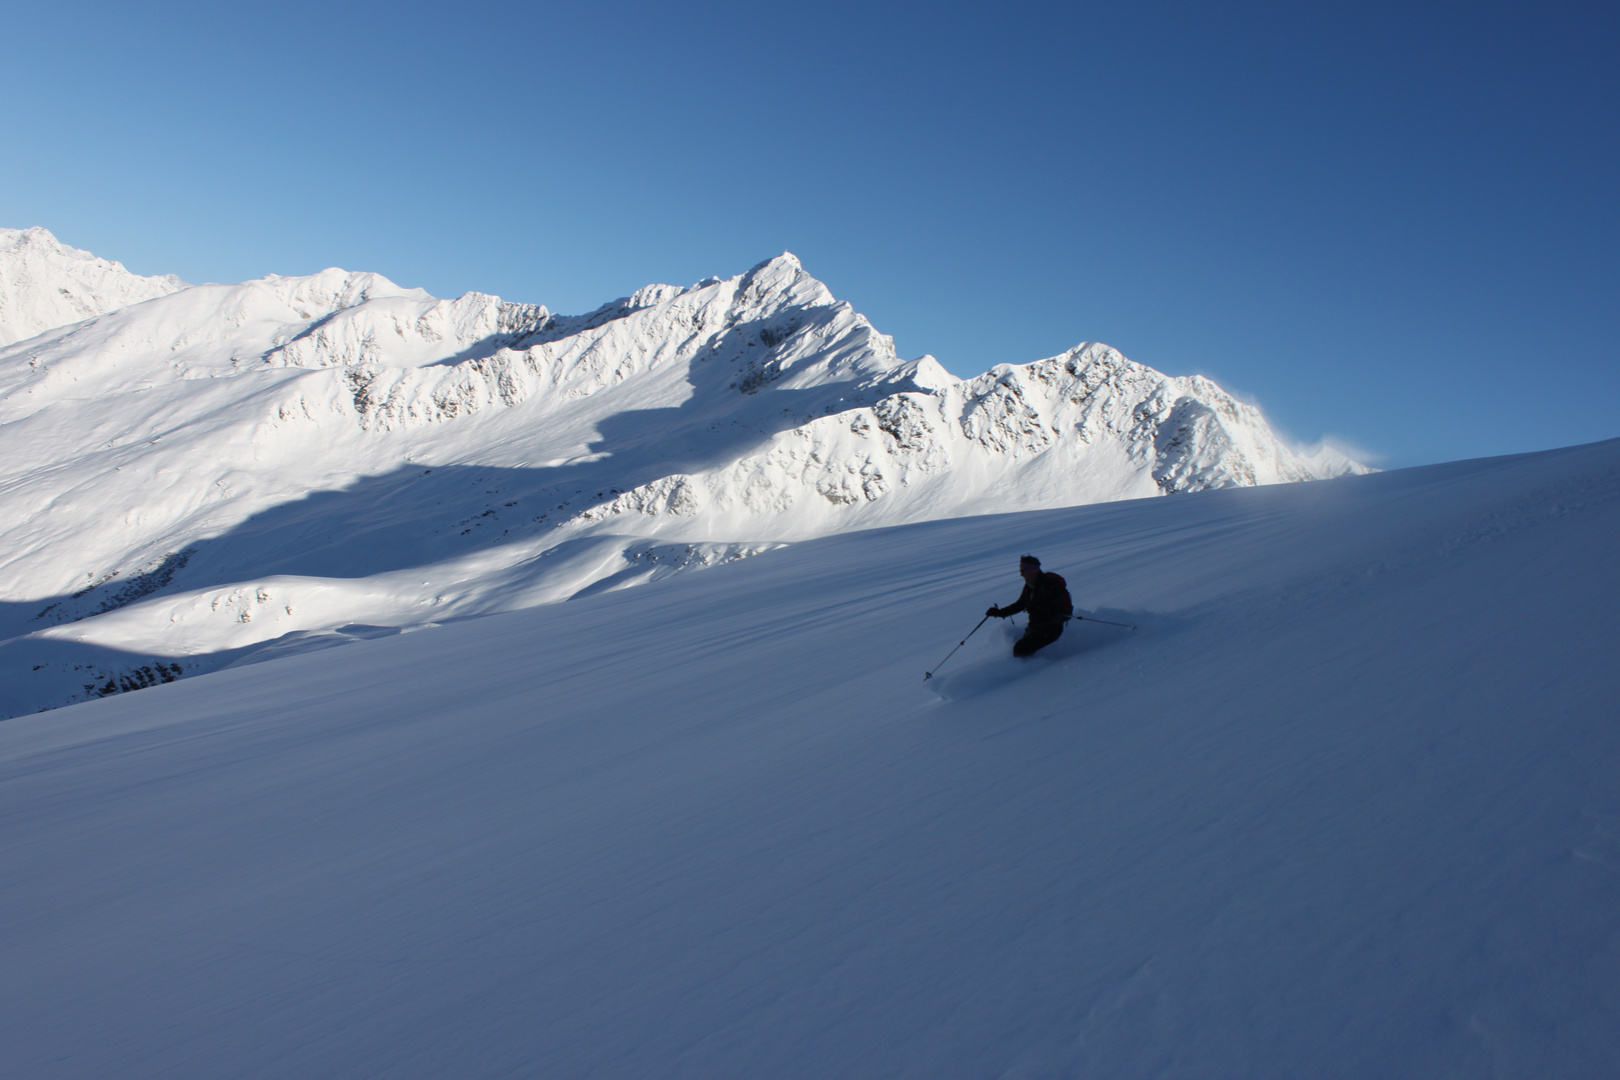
<point>271,464</point>
<point>45,284</point>
<point>1347,804</point>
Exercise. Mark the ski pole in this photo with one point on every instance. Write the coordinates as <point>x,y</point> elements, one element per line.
<point>930,674</point>
<point>1105,622</point>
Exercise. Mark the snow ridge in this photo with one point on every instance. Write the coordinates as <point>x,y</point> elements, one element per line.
<point>45,284</point>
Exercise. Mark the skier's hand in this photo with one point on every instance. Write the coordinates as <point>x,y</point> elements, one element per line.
<point>993,613</point>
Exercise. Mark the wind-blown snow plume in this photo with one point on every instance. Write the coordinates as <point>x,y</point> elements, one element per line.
<point>227,465</point>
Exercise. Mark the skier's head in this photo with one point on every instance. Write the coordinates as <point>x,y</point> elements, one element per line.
<point>1029,566</point>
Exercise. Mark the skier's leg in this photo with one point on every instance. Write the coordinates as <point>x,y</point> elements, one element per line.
<point>1037,635</point>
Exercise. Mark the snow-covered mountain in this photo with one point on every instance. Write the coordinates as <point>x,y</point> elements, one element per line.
<point>45,284</point>
<point>284,460</point>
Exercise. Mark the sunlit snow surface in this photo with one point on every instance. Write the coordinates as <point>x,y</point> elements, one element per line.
<point>228,472</point>
<point>1347,804</point>
<point>45,284</point>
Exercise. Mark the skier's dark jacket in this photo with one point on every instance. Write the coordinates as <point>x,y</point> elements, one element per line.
<point>1047,600</point>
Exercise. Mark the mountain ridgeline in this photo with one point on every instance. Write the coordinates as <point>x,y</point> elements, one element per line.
<point>201,475</point>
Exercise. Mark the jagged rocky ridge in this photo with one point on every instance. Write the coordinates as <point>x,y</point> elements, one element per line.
<point>227,470</point>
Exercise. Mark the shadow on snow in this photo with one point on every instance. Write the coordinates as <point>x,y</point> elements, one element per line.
<point>419,515</point>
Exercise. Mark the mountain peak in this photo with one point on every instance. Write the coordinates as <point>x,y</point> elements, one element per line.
<point>785,261</point>
<point>44,284</point>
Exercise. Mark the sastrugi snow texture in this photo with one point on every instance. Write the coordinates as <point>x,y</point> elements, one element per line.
<point>228,471</point>
<point>1347,804</point>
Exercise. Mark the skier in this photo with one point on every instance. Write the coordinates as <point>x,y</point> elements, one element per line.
<point>1046,598</point>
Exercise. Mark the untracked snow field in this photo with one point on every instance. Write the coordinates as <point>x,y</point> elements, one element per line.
<point>1346,804</point>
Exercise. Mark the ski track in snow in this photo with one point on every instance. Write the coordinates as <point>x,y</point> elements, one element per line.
<point>1344,805</point>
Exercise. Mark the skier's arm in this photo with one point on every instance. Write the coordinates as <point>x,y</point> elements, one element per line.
<point>1013,609</point>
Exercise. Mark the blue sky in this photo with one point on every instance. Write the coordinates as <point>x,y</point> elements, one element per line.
<point>1391,225</point>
